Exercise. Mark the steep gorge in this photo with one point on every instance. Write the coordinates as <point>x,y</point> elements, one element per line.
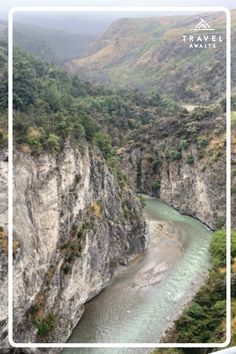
<point>73,227</point>
<point>76,217</point>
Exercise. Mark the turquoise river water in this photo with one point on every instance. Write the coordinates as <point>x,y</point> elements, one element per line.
<point>146,296</point>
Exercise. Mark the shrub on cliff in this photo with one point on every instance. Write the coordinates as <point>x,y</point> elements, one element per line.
<point>103,141</point>
<point>155,186</point>
<point>45,325</point>
<point>172,154</point>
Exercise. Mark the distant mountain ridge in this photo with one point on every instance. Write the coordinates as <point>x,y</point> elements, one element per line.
<point>149,54</point>
<point>53,46</point>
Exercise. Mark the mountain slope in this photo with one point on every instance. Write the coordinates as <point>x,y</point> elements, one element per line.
<point>150,54</point>
<point>53,46</point>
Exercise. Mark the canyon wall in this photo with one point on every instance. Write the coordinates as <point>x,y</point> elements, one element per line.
<point>73,228</point>
<point>188,174</point>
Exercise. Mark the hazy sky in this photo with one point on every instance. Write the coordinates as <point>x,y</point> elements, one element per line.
<point>93,24</point>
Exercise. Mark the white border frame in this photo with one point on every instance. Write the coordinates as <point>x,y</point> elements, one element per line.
<point>10,176</point>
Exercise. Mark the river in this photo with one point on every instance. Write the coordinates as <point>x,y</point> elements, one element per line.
<point>146,297</point>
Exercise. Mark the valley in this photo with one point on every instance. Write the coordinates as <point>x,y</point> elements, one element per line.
<point>119,185</point>
<point>151,53</point>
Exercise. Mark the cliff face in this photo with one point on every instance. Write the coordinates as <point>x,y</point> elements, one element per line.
<point>187,174</point>
<point>73,227</point>
<point>197,190</point>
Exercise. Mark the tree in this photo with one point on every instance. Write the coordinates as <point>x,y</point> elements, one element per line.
<point>25,86</point>
<point>103,141</point>
<point>90,126</point>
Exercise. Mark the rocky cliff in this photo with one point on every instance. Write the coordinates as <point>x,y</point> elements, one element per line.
<point>73,227</point>
<point>182,161</point>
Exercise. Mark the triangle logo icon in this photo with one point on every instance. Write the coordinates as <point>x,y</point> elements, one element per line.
<point>202,26</point>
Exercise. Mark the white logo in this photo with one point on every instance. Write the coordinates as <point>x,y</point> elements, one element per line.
<point>200,38</point>
<point>202,26</point>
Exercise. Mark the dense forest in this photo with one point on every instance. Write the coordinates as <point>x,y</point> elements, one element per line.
<point>50,107</point>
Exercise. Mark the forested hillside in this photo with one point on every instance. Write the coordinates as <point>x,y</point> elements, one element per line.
<point>46,97</point>
<point>150,54</point>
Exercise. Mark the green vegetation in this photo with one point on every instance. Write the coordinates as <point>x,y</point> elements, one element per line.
<point>45,103</point>
<point>104,143</point>
<point>141,199</point>
<point>233,118</point>
<point>127,210</point>
<point>155,165</point>
<point>118,173</point>
<point>167,105</point>
<point>45,325</point>
<point>155,186</point>
<point>201,112</point>
<point>3,78</point>
<point>172,154</point>
<point>71,250</point>
<point>3,138</point>
<point>218,247</point>
<point>204,320</point>
<point>205,314</point>
<point>233,103</point>
<point>190,159</point>
<point>149,64</point>
<point>51,107</point>
<point>184,144</point>
<point>217,155</point>
<point>202,141</point>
